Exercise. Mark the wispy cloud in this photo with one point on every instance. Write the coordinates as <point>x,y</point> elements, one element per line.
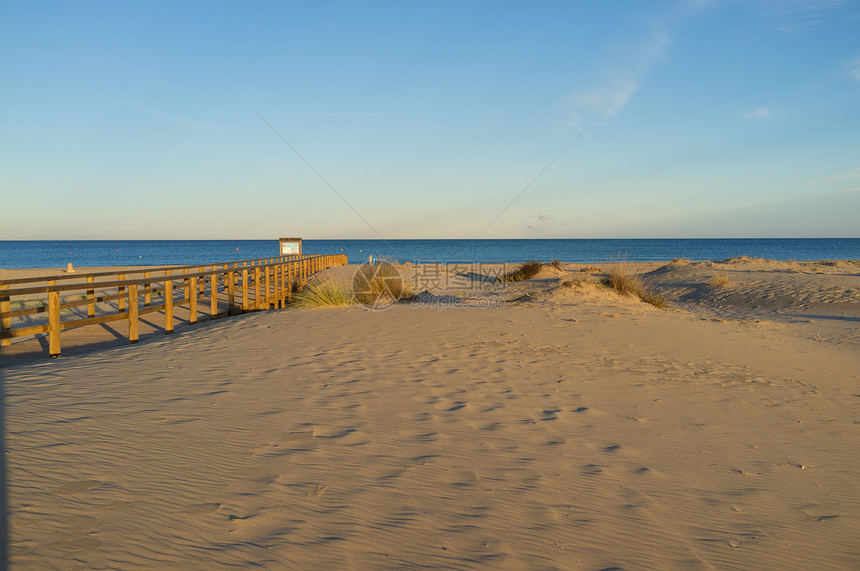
<point>854,69</point>
<point>798,16</point>
<point>622,80</point>
<point>541,221</point>
<point>757,113</point>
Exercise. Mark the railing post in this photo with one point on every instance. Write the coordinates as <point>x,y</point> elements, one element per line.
<point>147,290</point>
<point>120,290</point>
<point>244,288</point>
<point>192,301</point>
<point>283,268</point>
<point>186,285</point>
<point>290,280</point>
<point>257,287</point>
<point>133,324</point>
<point>276,288</point>
<point>231,292</point>
<point>5,322</point>
<point>168,304</point>
<point>213,296</point>
<point>53,322</point>
<point>91,297</point>
<point>266,288</point>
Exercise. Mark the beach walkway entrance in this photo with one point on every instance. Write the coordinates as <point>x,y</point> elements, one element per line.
<point>47,314</point>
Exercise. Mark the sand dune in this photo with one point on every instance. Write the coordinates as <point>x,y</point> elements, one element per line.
<point>568,428</point>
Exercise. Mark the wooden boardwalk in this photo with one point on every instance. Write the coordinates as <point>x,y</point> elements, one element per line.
<point>75,312</point>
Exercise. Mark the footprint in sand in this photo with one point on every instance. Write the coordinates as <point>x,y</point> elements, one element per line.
<point>317,491</point>
<point>593,469</point>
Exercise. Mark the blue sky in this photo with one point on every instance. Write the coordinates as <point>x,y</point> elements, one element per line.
<point>687,118</point>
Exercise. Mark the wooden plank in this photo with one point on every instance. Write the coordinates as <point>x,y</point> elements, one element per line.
<point>192,301</point>
<point>231,293</point>
<point>23,331</point>
<point>120,291</point>
<point>256,287</point>
<point>266,287</point>
<point>151,309</point>
<point>54,324</point>
<point>91,298</point>
<point>133,322</point>
<point>95,320</point>
<point>168,307</point>
<point>245,289</point>
<point>147,290</point>
<point>283,296</point>
<point>290,266</point>
<point>5,322</point>
<point>213,297</point>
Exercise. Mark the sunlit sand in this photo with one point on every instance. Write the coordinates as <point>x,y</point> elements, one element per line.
<point>561,426</point>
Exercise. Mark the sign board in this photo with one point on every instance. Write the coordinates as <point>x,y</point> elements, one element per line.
<point>290,246</point>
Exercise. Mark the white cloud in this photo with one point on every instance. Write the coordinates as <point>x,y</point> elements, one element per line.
<point>757,113</point>
<point>854,69</point>
<point>541,220</point>
<point>622,80</point>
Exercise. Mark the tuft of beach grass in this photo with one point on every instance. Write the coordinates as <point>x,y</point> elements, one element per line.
<point>526,271</point>
<point>324,294</point>
<point>720,280</point>
<point>627,282</point>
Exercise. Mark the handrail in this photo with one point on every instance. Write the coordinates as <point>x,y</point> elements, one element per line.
<point>262,284</point>
<point>140,269</point>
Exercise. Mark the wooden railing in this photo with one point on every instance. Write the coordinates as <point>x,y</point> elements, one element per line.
<point>248,285</point>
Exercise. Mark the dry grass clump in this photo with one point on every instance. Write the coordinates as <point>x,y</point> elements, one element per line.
<point>591,269</point>
<point>720,280</point>
<point>625,282</point>
<point>556,264</point>
<point>324,294</point>
<point>526,271</point>
<point>655,299</point>
<point>380,282</point>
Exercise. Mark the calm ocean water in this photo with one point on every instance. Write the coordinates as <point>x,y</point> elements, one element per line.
<point>50,254</point>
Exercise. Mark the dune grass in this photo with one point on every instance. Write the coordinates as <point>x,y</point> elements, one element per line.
<point>720,281</point>
<point>526,271</point>
<point>324,294</point>
<point>556,264</point>
<point>627,282</point>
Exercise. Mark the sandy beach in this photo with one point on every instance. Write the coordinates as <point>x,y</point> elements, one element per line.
<point>545,424</point>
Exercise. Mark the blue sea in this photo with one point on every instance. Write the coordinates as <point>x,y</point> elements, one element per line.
<point>58,253</point>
